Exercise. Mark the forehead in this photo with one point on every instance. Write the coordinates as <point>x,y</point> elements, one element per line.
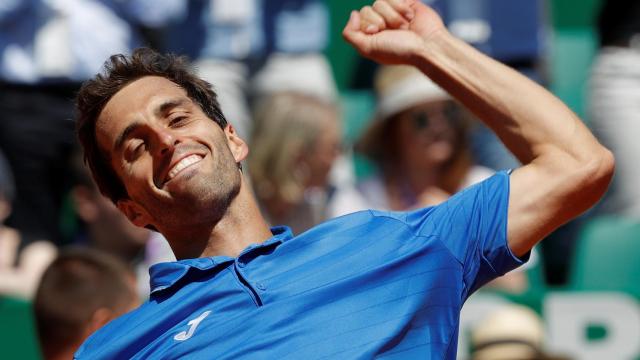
<point>134,102</point>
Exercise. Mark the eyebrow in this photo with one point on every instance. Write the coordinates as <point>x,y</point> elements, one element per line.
<point>168,105</point>
<point>126,133</point>
<point>161,110</point>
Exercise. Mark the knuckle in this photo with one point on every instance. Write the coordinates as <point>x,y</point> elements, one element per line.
<point>389,14</point>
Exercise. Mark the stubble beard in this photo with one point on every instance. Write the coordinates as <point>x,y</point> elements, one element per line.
<point>222,191</point>
<point>210,197</point>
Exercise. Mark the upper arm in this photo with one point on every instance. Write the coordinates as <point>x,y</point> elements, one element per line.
<point>551,191</point>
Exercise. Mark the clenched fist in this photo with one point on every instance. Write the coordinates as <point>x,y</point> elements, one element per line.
<point>392,31</point>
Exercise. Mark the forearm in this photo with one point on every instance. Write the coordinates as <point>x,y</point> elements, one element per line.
<point>528,119</point>
<point>566,170</point>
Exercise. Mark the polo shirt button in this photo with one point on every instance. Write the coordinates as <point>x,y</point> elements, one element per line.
<point>260,286</point>
<point>241,264</point>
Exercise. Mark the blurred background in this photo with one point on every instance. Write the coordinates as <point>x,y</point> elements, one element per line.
<point>330,133</point>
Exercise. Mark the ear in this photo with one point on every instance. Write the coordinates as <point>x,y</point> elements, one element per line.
<point>134,212</point>
<point>238,147</point>
<point>98,319</point>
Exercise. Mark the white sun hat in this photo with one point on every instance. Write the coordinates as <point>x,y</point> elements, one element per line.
<point>397,88</point>
<point>401,87</point>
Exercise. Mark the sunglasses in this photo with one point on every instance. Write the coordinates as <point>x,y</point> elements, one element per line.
<point>423,118</point>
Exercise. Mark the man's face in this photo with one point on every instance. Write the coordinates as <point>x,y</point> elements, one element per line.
<point>177,165</point>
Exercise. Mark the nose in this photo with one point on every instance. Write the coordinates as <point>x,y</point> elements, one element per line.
<point>165,141</point>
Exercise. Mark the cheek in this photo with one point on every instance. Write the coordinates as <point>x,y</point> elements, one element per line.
<point>138,178</point>
<point>403,131</point>
<point>409,142</point>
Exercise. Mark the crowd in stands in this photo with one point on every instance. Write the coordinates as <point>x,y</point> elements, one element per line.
<point>266,61</point>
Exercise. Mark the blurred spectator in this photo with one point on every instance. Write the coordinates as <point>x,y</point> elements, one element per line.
<point>105,228</point>
<point>614,99</point>
<point>80,291</point>
<point>47,48</point>
<point>18,274</point>
<point>250,48</point>
<point>295,141</point>
<point>514,332</point>
<point>418,140</point>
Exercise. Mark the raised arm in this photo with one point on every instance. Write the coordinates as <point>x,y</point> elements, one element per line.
<point>565,169</point>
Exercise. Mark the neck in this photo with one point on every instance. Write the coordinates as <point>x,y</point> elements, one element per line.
<point>419,180</point>
<point>240,226</point>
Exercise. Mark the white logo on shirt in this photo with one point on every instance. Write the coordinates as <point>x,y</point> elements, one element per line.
<point>193,324</point>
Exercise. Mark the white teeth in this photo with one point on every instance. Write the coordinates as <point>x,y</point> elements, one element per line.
<point>189,160</point>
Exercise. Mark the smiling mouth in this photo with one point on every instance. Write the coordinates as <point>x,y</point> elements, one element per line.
<point>181,165</point>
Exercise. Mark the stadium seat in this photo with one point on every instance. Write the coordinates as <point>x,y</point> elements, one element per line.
<point>17,330</point>
<point>571,56</point>
<point>607,257</point>
<point>343,58</point>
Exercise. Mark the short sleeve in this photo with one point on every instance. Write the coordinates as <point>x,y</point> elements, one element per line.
<point>473,225</point>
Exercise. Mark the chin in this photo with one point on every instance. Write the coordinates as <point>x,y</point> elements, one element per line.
<point>213,197</point>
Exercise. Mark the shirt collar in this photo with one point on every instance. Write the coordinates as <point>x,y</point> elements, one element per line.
<point>165,275</point>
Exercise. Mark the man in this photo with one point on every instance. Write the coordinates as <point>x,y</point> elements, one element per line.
<point>360,286</point>
<point>80,291</point>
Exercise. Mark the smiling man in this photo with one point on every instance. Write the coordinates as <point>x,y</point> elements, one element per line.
<point>164,161</point>
<point>369,284</point>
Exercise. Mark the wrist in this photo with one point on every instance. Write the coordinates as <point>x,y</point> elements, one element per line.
<point>433,50</point>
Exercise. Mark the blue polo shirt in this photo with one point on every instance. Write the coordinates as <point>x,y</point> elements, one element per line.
<point>365,285</point>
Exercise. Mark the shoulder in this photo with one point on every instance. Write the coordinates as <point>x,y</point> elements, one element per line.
<point>365,223</point>
<point>369,223</point>
<point>342,222</point>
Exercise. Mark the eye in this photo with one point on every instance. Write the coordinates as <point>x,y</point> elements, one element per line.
<point>420,120</point>
<point>177,121</point>
<point>135,149</point>
<point>140,147</point>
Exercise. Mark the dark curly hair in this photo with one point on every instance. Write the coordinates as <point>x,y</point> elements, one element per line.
<point>119,71</point>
